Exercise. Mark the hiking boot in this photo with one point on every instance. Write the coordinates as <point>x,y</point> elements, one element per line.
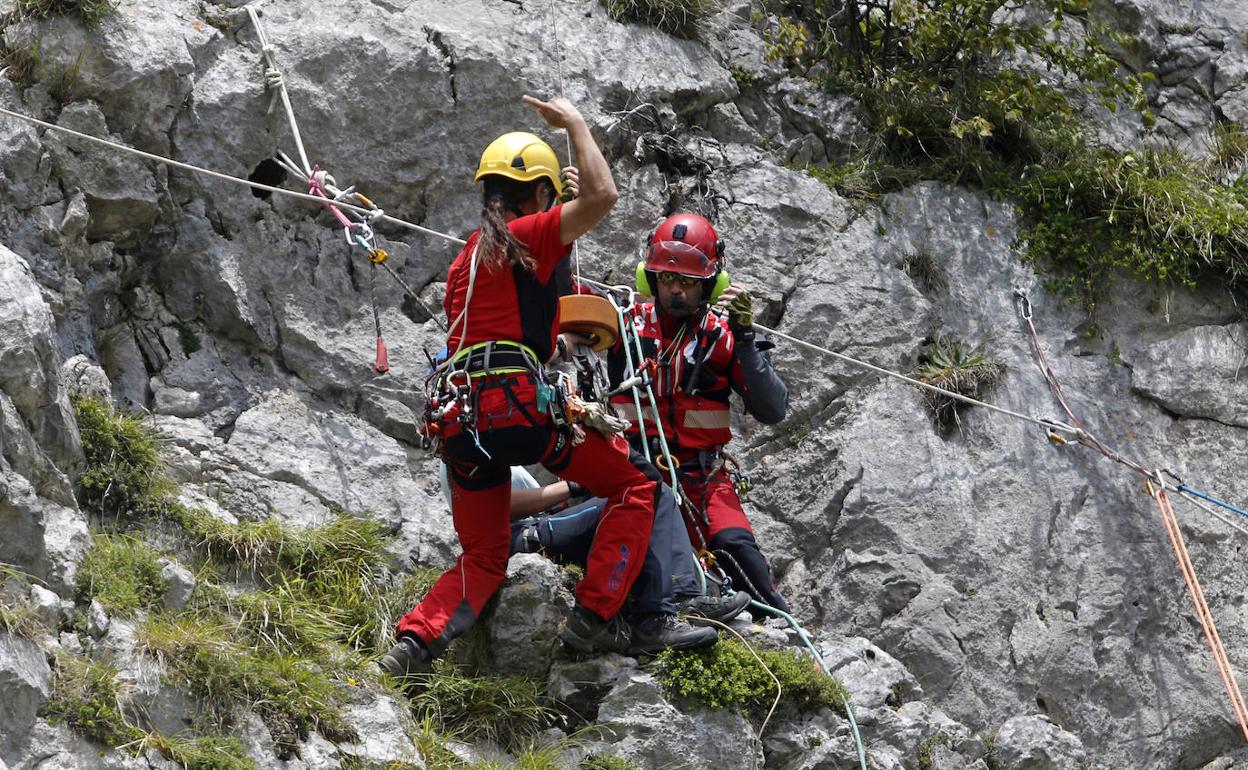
<point>586,632</point>
<point>655,633</point>
<point>720,608</point>
<point>406,659</point>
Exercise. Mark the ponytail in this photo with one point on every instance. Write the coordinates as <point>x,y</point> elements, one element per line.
<point>496,244</point>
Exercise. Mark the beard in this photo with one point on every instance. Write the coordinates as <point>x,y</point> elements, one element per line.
<point>680,308</point>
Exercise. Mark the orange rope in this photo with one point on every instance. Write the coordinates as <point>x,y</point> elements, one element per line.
<point>1202,607</point>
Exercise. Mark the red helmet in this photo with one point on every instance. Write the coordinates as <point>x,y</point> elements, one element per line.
<point>685,244</point>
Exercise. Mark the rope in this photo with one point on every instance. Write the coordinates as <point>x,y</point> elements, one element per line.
<point>567,138</point>
<point>273,81</point>
<point>1050,425</point>
<point>1213,512</point>
<point>1201,605</point>
<point>1189,491</point>
<point>225,177</point>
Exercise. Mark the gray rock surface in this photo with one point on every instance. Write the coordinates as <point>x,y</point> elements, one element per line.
<point>1036,743</point>
<point>25,681</point>
<point>1197,373</point>
<point>523,629</point>
<point>957,581</point>
<point>636,721</point>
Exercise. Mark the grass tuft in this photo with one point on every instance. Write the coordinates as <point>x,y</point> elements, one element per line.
<point>85,696</point>
<point>608,762</point>
<point>507,710</point>
<point>728,676</point>
<point>92,12</point>
<point>953,366</point>
<point>124,478</point>
<point>681,18</point>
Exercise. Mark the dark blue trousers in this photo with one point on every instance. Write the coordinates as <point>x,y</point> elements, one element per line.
<point>668,573</point>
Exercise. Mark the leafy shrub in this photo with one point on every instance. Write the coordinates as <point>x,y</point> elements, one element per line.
<point>986,94</point>
<point>1151,212</point>
<point>123,573</point>
<point>728,676</point>
<point>681,18</point>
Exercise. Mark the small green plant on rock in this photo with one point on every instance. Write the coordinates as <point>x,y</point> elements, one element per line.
<point>85,696</point>
<point>121,572</point>
<point>92,12</point>
<point>928,745</point>
<point>924,270</point>
<point>681,18</point>
<point>728,676</point>
<point>124,476</point>
<point>954,366</point>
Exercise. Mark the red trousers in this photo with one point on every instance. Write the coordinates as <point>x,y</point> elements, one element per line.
<point>511,431</point>
<point>729,536</point>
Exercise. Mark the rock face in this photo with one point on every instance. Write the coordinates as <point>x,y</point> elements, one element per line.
<point>39,449</point>
<point>977,581</point>
<point>24,680</point>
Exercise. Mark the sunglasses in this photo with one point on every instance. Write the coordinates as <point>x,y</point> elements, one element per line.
<point>667,277</point>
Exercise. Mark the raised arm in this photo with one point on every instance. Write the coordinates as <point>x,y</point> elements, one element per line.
<point>597,192</point>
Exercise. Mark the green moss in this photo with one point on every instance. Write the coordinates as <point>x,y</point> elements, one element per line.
<point>85,696</point>
<point>507,710</point>
<point>188,339</point>
<point>681,18</point>
<point>123,573</point>
<point>728,676</point>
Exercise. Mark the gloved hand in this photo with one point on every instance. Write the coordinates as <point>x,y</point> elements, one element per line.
<point>741,311</point>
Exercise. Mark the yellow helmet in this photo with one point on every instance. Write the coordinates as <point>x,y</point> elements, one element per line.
<point>521,156</point>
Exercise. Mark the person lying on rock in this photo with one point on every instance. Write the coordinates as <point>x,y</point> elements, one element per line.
<point>495,410</point>
<point>701,360</point>
<point>546,520</point>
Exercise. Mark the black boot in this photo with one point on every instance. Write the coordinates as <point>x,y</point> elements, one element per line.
<point>407,659</point>
<point>587,632</point>
<point>655,633</point>
<point>720,608</point>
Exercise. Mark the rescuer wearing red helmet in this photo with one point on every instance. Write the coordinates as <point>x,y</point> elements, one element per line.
<point>701,360</point>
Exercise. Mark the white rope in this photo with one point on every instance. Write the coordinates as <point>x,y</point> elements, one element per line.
<point>226,177</point>
<point>273,81</point>
<point>554,25</point>
<point>1209,509</point>
<point>1049,424</point>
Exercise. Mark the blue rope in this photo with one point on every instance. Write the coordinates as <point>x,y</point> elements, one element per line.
<point>801,633</point>
<point>1214,500</point>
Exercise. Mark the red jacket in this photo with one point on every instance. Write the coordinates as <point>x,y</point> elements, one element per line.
<point>700,363</point>
<point>510,303</point>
